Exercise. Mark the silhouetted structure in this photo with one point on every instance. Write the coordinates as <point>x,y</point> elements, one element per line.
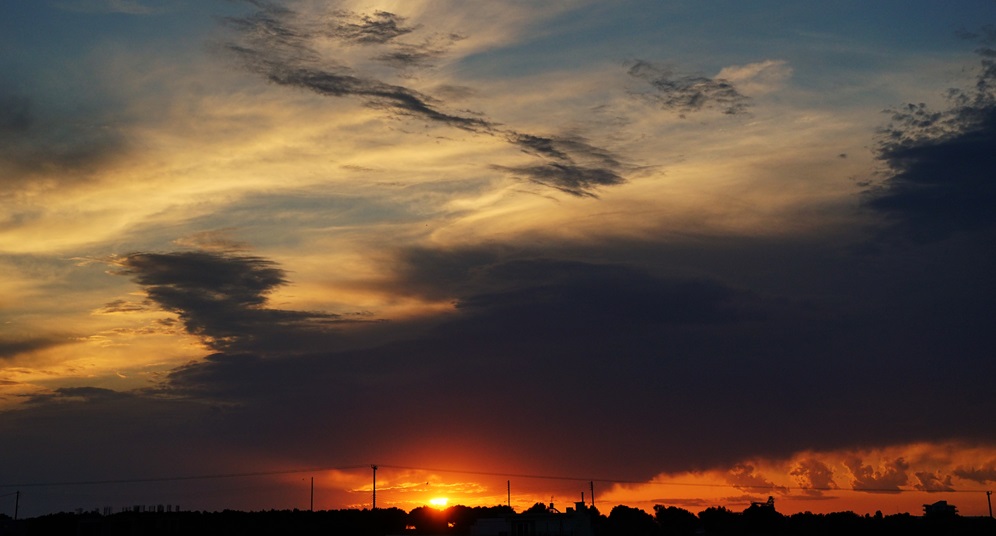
<point>940,509</point>
<point>535,522</point>
<point>540,520</point>
<point>770,503</point>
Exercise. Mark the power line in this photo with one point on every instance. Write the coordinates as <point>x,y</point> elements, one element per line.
<point>177,478</point>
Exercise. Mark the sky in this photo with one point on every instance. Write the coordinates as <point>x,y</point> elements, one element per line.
<point>672,252</point>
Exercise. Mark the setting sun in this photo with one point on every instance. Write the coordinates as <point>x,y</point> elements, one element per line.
<point>439,502</point>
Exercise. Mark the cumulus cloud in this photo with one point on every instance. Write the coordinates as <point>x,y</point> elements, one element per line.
<point>814,476</point>
<point>867,478</point>
<point>743,476</point>
<point>685,93</point>
<point>932,481</point>
<point>983,474</point>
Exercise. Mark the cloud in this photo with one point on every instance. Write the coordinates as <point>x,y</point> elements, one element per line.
<point>483,279</point>
<point>121,306</point>
<point>939,165</point>
<point>867,478</point>
<point>930,481</point>
<point>380,27</point>
<point>280,45</point>
<point>219,240</point>
<point>408,55</point>
<point>743,477</point>
<point>78,395</point>
<point>35,143</point>
<point>983,474</point>
<point>128,7</point>
<point>687,93</point>
<point>814,475</point>
<point>12,348</point>
<point>276,43</point>
<point>757,78</point>
<point>220,297</point>
<point>573,165</point>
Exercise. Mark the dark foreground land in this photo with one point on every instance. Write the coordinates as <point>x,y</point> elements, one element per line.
<point>460,521</point>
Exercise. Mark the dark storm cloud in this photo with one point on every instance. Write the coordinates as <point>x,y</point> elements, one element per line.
<point>546,344</point>
<point>219,297</point>
<point>940,178</point>
<point>607,297</point>
<point>688,93</point>
<point>275,43</point>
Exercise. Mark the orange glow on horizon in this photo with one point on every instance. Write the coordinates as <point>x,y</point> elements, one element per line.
<point>796,484</point>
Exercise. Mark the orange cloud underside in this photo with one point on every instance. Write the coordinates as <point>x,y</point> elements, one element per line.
<point>891,480</point>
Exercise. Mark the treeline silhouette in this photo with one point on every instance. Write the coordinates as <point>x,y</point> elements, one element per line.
<point>458,521</point>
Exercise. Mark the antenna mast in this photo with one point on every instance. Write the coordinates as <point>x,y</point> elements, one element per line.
<point>374,467</point>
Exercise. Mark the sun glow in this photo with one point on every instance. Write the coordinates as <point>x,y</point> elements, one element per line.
<point>439,502</point>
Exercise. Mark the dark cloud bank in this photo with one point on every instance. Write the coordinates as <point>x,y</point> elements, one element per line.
<point>221,298</point>
<point>940,178</point>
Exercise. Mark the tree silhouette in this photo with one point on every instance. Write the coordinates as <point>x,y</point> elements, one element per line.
<point>674,520</point>
<point>628,521</point>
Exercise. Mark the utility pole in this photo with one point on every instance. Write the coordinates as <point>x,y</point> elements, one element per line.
<point>312,508</point>
<point>989,498</point>
<point>17,504</point>
<point>591,486</point>
<point>508,489</point>
<point>374,467</point>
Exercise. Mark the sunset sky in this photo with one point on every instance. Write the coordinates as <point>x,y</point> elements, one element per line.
<point>683,253</point>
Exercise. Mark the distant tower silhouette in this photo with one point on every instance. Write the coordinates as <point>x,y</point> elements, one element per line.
<point>374,507</point>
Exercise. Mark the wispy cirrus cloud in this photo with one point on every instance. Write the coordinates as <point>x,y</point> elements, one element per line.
<point>11,348</point>
<point>686,93</point>
<point>128,7</point>
<point>279,44</point>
